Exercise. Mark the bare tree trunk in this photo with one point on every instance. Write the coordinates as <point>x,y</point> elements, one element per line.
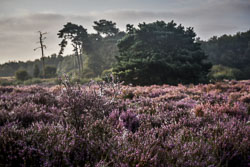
<point>41,43</point>
<point>42,46</point>
<point>79,65</point>
<point>78,59</point>
<point>80,56</point>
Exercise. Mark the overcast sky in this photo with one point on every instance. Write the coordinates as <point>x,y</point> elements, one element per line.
<point>21,19</point>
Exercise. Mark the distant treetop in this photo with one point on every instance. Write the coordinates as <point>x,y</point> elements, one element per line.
<point>160,53</point>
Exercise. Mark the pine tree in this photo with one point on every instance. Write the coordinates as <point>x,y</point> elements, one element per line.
<point>160,53</point>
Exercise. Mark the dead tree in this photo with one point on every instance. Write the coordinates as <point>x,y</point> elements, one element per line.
<point>42,47</point>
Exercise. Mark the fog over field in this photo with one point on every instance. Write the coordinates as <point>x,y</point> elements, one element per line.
<point>20,20</point>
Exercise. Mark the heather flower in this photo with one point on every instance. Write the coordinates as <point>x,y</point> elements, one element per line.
<point>93,125</point>
<point>130,120</point>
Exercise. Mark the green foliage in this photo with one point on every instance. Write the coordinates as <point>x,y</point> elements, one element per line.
<point>78,80</point>
<point>101,53</point>
<point>66,65</point>
<point>36,71</point>
<point>75,33</point>
<point>32,81</point>
<point>93,52</point>
<point>22,75</point>
<point>159,53</point>
<point>78,36</point>
<point>105,27</point>
<point>9,69</point>
<point>92,65</point>
<point>50,71</point>
<point>107,73</point>
<point>220,72</point>
<point>230,50</point>
<point>6,82</point>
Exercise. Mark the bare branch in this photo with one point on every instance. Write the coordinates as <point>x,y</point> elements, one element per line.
<point>42,47</point>
<point>36,48</point>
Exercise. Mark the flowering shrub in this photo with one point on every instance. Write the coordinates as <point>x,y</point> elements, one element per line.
<point>130,121</point>
<point>107,124</point>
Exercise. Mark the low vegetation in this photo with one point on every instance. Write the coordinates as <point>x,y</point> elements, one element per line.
<point>22,75</point>
<point>107,124</point>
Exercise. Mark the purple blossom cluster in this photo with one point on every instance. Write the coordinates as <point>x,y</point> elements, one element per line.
<point>113,125</point>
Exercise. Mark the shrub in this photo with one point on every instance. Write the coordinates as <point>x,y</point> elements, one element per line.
<point>36,71</point>
<point>220,72</point>
<point>93,125</point>
<point>130,120</point>
<point>106,73</point>
<point>32,81</point>
<point>6,82</point>
<point>22,75</point>
<point>50,71</point>
<point>81,105</point>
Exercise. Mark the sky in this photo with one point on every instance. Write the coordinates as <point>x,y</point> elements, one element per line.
<point>20,20</point>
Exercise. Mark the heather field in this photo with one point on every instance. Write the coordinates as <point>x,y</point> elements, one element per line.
<point>109,124</point>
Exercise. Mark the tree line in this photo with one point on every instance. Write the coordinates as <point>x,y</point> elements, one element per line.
<point>153,53</point>
<point>31,67</point>
<point>230,55</point>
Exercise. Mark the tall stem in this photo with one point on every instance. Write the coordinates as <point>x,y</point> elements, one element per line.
<point>41,43</point>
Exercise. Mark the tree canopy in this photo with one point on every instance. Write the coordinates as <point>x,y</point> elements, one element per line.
<point>105,27</point>
<point>159,53</point>
<point>36,71</point>
<point>155,53</point>
<point>94,52</point>
<point>230,50</point>
<point>79,38</point>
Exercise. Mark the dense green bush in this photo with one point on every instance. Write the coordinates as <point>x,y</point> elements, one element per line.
<point>230,50</point>
<point>160,53</point>
<point>6,82</point>
<point>220,72</point>
<point>36,72</point>
<point>22,75</point>
<point>107,72</point>
<point>50,71</point>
